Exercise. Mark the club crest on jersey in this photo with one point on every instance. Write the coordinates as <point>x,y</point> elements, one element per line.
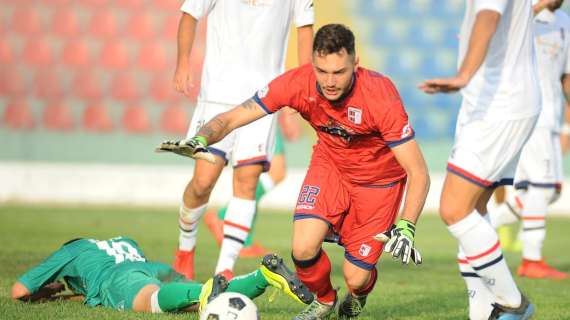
<point>261,93</point>
<point>406,131</point>
<point>364,250</point>
<point>354,115</point>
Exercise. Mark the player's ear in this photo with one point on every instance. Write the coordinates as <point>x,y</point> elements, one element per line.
<point>356,61</point>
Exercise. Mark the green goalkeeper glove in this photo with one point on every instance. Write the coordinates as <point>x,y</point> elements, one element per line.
<point>195,148</point>
<point>399,241</point>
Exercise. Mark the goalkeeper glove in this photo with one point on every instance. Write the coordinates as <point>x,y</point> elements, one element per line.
<point>399,241</point>
<point>195,148</point>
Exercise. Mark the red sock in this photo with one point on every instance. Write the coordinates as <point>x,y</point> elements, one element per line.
<point>315,274</point>
<point>367,288</point>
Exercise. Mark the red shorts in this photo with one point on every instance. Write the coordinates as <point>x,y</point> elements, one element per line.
<point>356,213</point>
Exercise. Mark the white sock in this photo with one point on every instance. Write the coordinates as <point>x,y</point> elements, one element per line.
<point>480,243</point>
<point>533,226</point>
<point>188,221</point>
<point>237,223</point>
<point>266,182</point>
<point>505,213</point>
<point>154,305</point>
<point>480,297</point>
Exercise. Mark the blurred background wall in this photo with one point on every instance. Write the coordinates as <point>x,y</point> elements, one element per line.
<point>86,94</point>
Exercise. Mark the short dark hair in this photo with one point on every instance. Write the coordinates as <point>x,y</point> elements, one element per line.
<point>332,38</point>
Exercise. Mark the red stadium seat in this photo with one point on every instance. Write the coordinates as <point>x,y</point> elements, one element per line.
<point>37,52</point>
<point>168,5</point>
<point>12,83</point>
<point>65,22</point>
<point>130,4</point>
<point>26,20</point>
<point>114,55</point>
<point>124,87</point>
<point>103,24</point>
<point>57,116</point>
<point>136,119</point>
<point>48,85</point>
<point>6,52</point>
<point>140,26</point>
<point>152,57</point>
<point>170,29</point>
<point>87,86</point>
<point>174,120</point>
<point>161,88</point>
<point>96,118</point>
<point>18,115</point>
<point>93,3</point>
<point>76,53</point>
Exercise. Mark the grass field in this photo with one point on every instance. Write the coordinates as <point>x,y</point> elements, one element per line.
<point>432,291</point>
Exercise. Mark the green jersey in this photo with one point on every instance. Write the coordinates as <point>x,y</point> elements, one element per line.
<point>87,264</point>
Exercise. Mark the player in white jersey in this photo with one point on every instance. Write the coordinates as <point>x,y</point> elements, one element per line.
<point>539,174</point>
<point>500,107</point>
<point>245,48</point>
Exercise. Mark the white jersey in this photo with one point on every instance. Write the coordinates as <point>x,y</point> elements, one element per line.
<point>246,43</point>
<point>553,57</point>
<point>506,84</point>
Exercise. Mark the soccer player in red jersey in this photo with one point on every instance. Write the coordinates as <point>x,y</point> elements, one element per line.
<point>363,160</point>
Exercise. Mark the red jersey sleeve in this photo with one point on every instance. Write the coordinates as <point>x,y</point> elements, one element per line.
<point>280,92</point>
<point>393,121</point>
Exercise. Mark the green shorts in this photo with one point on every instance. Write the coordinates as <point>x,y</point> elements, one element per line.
<point>125,282</point>
<point>279,143</point>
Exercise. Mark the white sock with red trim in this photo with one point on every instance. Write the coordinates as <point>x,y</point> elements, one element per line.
<point>482,250</point>
<point>534,223</point>
<point>188,221</point>
<point>237,223</point>
<point>480,297</point>
<point>507,212</point>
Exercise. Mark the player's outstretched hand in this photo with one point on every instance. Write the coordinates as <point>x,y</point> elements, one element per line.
<point>195,148</point>
<point>399,241</point>
<point>448,85</point>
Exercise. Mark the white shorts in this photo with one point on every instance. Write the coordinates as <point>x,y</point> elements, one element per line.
<point>250,144</point>
<point>541,161</point>
<point>487,152</point>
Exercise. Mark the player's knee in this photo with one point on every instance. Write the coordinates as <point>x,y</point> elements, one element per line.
<point>356,281</point>
<point>305,252</point>
<point>304,259</point>
<point>19,291</point>
<point>200,186</point>
<point>448,213</point>
<point>245,185</point>
<point>548,195</point>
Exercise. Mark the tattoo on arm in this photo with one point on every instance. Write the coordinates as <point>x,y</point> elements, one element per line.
<point>212,129</point>
<point>249,104</point>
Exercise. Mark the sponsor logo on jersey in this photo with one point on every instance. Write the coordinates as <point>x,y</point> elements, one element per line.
<point>354,115</point>
<point>263,92</point>
<point>364,250</point>
<point>406,131</point>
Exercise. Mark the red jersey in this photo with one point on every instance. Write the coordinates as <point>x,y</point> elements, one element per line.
<point>355,133</point>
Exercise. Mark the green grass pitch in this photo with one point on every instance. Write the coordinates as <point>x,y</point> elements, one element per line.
<point>432,291</point>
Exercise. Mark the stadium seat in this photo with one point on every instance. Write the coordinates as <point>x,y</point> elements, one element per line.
<point>140,26</point>
<point>114,55</point>
<point>103,24</point>
<point>130,4</point>
<point>87,86</point>
<point>65,22</point>
<point>135,119</point>
<point>93,3</point>
<point>152,57</point>
<point>37,52</point>
<point>18,115</point>
<point>47,85</point>
<point>174,120</point>
<point>76,53</point>
<point>26,20</point>
<point>161,88</point>
<point>124,87</point>
<point>96,118</point>
<point>167,5</point>
<point>12,83</point>
<point>57,116</point>
<point>6,52</point>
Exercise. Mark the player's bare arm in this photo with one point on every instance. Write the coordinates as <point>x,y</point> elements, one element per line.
<point>20,292</point>
<point>224,123</point>
<point>541,5</point>
<point>411,159</point>
<point>305,44</point>
<point>186,33</point>
<point>483,30</point>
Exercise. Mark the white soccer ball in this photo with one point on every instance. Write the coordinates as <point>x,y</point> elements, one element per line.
<point>230,306</point>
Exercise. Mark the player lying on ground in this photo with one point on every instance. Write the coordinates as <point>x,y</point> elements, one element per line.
<point>115,273</point>
<point>364,159</point>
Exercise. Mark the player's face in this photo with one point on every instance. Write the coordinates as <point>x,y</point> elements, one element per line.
<point>334,73</point>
